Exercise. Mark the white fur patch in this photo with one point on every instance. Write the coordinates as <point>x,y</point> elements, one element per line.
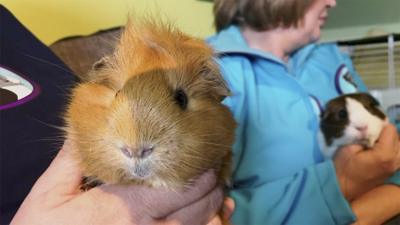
<point>359,117</point>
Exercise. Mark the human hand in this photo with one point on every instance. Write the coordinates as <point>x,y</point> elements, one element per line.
<point>358,170</point>
<point>56,199</point>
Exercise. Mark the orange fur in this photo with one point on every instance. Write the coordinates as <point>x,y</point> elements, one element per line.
<point>131,101</point>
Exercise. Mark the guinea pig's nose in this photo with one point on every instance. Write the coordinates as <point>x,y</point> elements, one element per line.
<point>126,151</point>
<point>144,151</point>
<point>141,152</point>
<point>362,128</point>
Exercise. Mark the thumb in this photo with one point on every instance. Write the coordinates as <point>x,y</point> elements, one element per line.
<point>388,139</point>
<point>350,150</point>
<point>170,201</point>
<point>161,202</point>
<point>353,149</point>
<point>228,208</point>
<point>63,176</point>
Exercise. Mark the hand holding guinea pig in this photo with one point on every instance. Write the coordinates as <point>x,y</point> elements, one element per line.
<point>359,170</point>
<point>56,199</point>
<point>365,147</point>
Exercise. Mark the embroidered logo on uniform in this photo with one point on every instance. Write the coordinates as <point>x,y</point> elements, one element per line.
<point>14,89</point>
<point>344,82</point>
<point>316,104</point>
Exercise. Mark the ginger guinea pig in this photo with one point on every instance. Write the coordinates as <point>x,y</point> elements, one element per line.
<point>350,119</point>
<point>151,112</point>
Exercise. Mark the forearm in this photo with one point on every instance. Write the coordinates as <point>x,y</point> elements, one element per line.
<point>378,205</point>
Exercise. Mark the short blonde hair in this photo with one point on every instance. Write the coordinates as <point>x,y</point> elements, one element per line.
<point>260,15</point>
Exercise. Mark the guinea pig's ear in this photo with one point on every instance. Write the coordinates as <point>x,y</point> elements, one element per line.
<point>374,101</point>
<point>219,86</point>
<point>100,75</point>
<point>101,63</point>
<point>213,75</point>
<point>365,97</point>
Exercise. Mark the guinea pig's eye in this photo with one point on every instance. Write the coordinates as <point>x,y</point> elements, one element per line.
<point>181,98</point>
<point>342,114</point>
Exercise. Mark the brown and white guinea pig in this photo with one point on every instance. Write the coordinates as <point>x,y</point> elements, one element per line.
<point>350,119</point>
<point>151,112</point>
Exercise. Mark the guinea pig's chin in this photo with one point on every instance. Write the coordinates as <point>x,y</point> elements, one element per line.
<point>364,142</point>
<point>359,138</point>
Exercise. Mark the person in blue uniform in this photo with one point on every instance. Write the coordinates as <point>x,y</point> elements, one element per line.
<point>280,79</point>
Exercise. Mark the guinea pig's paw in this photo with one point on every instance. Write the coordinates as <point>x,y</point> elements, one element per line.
<point>89,183</point>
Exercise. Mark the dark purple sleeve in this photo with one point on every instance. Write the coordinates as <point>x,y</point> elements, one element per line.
<point>29,138</point>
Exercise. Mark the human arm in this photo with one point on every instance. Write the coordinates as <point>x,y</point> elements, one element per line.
<point>378,205</point>
<point>56,199</point>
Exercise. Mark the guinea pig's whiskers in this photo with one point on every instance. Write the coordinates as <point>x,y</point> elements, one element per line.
<point>55,139</point>
<point>215,133</point>
<point>166,167</point>
<point>48,63</point>
<point>195,166</point>
<point>85,141</point>
<point>60,128</point>
<point>212,143</point>
<point>197,158</point>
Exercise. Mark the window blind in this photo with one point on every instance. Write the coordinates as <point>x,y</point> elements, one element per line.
<point>377,62</point>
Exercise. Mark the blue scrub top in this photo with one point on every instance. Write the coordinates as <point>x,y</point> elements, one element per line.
<point>279,175</point>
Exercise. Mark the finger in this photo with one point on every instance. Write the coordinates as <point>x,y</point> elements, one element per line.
<point>388,139</point>
<point>347,152</point>
<point>353,149</point>
<point>215,221</point>
<point>168,202</point>
<point>398,155</point>
<point>228,208</point>
<point>63,176</point>
<point>158,202</point>
<point>202,211</point>
<point>387,150</point>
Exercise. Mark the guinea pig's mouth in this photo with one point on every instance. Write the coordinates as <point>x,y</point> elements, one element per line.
<point>140,171</point>
<point>364,139</point>
<point>364,142</point>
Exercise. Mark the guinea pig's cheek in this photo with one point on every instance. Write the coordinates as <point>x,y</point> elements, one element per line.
<point>351,134</point>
